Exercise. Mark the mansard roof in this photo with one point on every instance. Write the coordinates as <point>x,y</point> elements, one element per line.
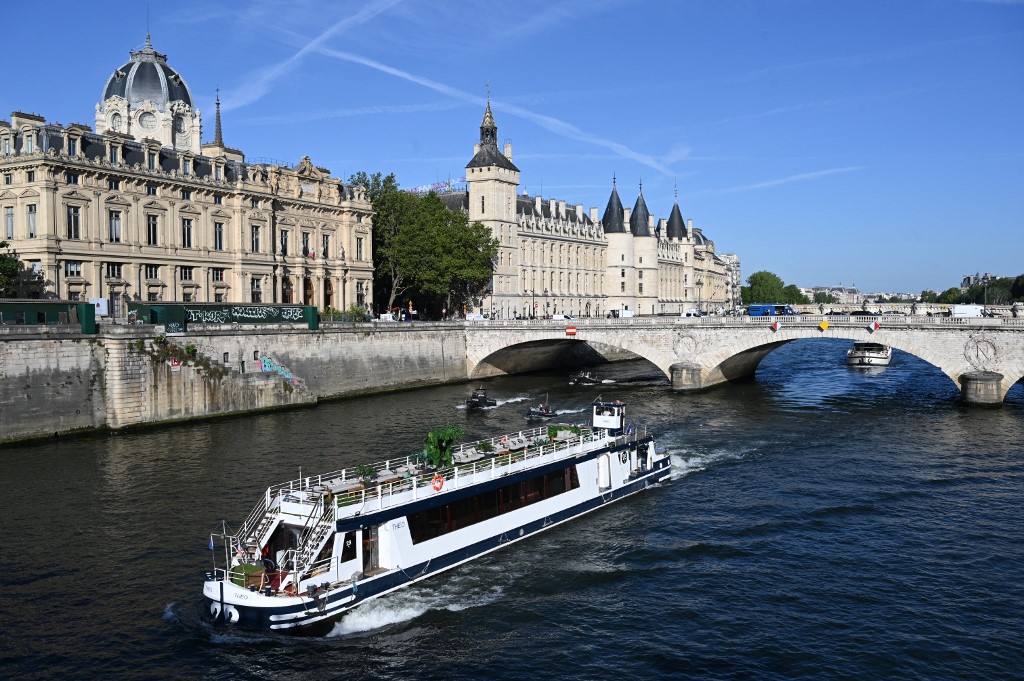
<point>526,206</point>
<point>676,227</point>
<point>639,219</point>
<point>612,221</point>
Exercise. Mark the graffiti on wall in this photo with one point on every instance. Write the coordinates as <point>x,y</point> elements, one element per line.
<point>267,365</point>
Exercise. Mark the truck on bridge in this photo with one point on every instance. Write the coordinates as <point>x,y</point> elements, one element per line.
<point>771,310</point>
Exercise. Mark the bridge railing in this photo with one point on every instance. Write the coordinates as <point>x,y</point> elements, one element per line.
<point>803,321</point>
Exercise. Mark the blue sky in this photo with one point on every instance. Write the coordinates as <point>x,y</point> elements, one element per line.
<point>876,143</point>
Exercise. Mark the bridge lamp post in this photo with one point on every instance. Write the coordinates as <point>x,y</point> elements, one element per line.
<point>533,304</point>
<point>699,283</point>
<point>546,303</point>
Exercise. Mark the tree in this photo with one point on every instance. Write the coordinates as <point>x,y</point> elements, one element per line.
<point>825,297</point>
<point>10,270</point>
<point>1017,288</point>
<point>950,295</point>
<point>763,287</point>
<point>929,296</point>
<point>391,209</point>
<point>454,257</point>
<point>793,295</point>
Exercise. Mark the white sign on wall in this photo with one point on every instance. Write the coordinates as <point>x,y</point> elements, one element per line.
<point>101,306</point>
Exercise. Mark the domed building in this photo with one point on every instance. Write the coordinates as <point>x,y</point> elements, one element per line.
<point>140,208</point>
<point>146,98</point>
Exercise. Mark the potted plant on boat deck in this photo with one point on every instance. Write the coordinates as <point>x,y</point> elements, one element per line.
<point>437,448</point>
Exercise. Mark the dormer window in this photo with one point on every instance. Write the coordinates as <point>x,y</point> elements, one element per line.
<point>186,166</point>
<point>113,154</point>
<point>72,147</point>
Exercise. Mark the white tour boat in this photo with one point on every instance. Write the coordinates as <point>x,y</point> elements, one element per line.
<point>318,546</point>
<point>865,354</point>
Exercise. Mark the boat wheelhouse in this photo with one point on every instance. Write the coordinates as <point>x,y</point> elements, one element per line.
<point>479,399</point>
<point>315,547</point>
<point>867,354</point>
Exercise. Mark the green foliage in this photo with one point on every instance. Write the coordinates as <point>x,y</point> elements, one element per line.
<point>794,296</point>
<point>1017,288</point>
<point>422,251</point>
<point>767,287</point>
<point>950,295</point>
<point>485,446</point>
<point>825,297</point>
<point>437,448</point>
<point>191,349</point>
<point>366,473</point>
<point>10,268</point>
<point>929,296</point>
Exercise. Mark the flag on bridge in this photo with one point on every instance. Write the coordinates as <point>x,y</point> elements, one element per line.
<point>874,326</point>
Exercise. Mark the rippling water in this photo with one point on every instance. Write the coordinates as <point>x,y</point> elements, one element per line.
<point>822,522</point>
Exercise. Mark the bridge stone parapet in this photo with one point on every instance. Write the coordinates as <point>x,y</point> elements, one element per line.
<point>982,356</point>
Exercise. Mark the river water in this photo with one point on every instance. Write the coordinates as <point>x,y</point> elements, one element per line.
<point>822,522</point>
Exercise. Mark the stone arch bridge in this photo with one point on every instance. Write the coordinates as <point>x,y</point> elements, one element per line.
<point>982,356</point>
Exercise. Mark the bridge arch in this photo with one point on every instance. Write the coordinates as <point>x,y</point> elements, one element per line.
<point>983,357</point>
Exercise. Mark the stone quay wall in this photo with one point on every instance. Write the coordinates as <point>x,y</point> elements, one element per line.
<point>56,380</point>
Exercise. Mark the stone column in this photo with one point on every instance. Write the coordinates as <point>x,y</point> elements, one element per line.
<point>981,387</point>
<point>686,377</point>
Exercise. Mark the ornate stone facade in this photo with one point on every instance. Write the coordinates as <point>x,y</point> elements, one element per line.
<point>555,258</point>
<point>139,208</point>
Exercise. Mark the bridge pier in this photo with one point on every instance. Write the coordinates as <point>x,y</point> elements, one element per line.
<point>981,387</point>
<point>686,377</point>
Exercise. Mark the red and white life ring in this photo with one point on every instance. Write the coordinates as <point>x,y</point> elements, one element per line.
<point>438,482</point>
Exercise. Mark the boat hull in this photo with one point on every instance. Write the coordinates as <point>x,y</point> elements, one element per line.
<point>317,615</point>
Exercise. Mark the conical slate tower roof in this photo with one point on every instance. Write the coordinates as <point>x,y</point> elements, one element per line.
<point>612,220</point>
<point>640,218</point>
<point>676,227</point>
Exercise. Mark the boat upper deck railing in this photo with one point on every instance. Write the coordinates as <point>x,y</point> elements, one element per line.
<point>390,478</point>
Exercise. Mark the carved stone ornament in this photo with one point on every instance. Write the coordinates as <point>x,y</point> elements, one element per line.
<point>980,351</point>
<point>686,344</point>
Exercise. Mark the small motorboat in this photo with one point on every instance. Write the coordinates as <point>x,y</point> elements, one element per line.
<point>540,412</point>
<point>583,378</point>
<point>864,354</point>
<point>479,399</point>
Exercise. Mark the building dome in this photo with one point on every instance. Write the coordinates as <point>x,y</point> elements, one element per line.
<point>147,76</point>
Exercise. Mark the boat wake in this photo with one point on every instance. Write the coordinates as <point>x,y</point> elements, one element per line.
<point>500,402</point>
<point>685,463</point>
<point>559,412</point>
<point>460,592</point>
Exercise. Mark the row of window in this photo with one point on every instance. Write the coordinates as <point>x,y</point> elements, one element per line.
<point>446,518</point>
<point>115,233</point>
<point>30,221</point>
<point>115,270</point>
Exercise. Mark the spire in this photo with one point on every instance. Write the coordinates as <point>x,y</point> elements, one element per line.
<point>613,214</point>
<point>218,139</point>
<point>488,128</point>
<point>640,217</point>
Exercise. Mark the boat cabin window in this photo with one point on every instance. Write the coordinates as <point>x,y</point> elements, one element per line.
<point>434,522</point>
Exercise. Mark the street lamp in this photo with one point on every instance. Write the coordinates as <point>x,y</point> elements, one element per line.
<point>546,303</point>
<point>698,283</point>
<point>533,304</point>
